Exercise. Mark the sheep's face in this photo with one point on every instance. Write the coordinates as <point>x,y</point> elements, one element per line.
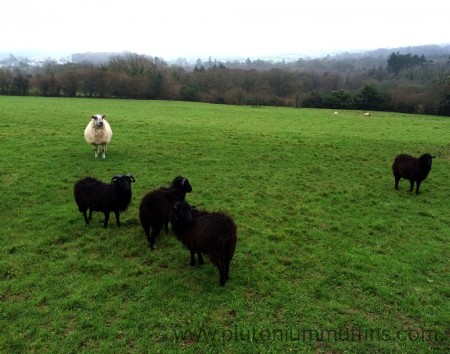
<point>182,184</point>
<point>123,183</point>
<point>98,119</point>
<point>426,160</point>
<point>183,212</point>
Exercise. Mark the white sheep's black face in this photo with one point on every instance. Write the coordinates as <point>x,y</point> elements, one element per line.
<point>98,119</point>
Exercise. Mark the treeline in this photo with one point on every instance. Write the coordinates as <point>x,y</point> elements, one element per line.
<point>405,83</point>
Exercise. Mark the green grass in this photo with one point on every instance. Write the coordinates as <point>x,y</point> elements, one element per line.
<point>325,243</point>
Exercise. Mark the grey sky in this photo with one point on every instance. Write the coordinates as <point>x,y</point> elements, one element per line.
<point>203,28</point>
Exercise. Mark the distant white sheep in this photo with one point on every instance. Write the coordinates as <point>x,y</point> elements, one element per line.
<point>367,114</point>
<point>335,113</point>
<point>98,132</point>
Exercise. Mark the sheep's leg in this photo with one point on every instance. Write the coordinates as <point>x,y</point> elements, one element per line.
<point>192,258</point>
<point>411,182</point>
<point>417,187</point>
<point>148,233</point>
<point>152,239</point>
<point>104,151</point>
<point>90,214</point>
<point>96,151</point>
<point>227,269</point>
<point>85,216</point>
<point>222,273</point>
<point>105,224</point>
<point>152,234</point>
<point>200,258</point>
<point>117,217</point>
<point>397,179</point>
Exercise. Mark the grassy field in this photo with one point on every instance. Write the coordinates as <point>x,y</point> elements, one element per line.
<point>330,258</point>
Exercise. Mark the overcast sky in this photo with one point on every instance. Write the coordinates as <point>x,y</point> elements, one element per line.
<point>230,28</point>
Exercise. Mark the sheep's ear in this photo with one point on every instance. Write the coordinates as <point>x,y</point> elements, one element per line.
<point>131,177</point>
<point>94,117</point>
<point>433,157</point>
<point>104,116</point>
<point>178,179</point>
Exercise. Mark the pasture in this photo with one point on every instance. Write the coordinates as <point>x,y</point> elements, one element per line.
<point>330,258</point>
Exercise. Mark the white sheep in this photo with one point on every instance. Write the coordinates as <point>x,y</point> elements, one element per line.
<point>367,114</point>
<point>336,113</point>
<point>98,132</point>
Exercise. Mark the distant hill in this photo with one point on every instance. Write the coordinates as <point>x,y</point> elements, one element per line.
<point>96,58</point>
<point>430,51</point>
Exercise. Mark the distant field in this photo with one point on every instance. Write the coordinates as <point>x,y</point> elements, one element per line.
<point>330,258</point>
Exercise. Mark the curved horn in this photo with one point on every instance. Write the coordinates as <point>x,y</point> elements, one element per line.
<point>115,178</point>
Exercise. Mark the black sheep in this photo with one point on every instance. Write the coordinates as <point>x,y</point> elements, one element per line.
<point>213,233</point>
<point>412,168</point>
<point>156,207</point>
<point>95,195</point>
